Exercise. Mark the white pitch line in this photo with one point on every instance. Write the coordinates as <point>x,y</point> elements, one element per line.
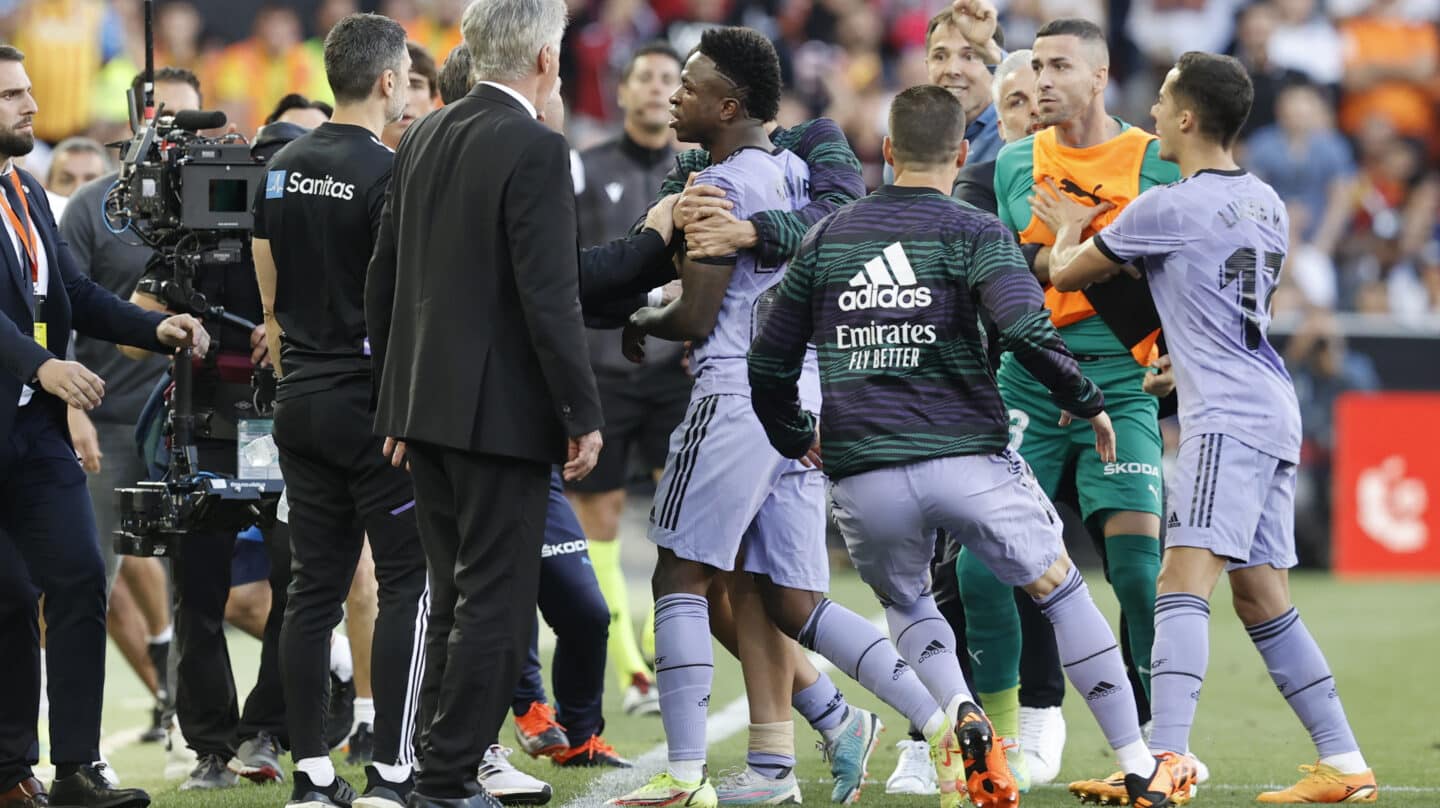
<point>731,718</point>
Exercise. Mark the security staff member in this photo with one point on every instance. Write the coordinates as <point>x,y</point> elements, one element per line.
<point>45,515</point>
<point>315,224</point>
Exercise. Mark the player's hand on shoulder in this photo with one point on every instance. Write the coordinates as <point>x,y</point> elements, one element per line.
<point>1057,209</point>
<point>1161,382</point>
<point>717,235</point>
<point>697,202</point>
<point>661,217</point>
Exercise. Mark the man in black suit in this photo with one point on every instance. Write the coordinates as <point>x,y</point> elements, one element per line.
<point>45,515</point>
<point>472,305</point>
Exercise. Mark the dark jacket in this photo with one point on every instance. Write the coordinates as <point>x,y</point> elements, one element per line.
<point>73,301</point>
<point>472,297</point>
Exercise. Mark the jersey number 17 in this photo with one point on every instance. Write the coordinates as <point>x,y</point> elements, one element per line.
<point>1243,266</point>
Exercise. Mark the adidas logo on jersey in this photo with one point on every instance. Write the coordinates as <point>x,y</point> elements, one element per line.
<point>935,648</point>
<point>887,282</point>
<point>1101,690</point>
<point>900,668</point>
<point>1174,520</point>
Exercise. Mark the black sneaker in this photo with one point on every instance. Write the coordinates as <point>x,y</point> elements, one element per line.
<point>341,712</point>
<point>305,794</point>
<point>360,749</point>
<point>88,788</point>
<point>210,772</point>
<point>381,793</point>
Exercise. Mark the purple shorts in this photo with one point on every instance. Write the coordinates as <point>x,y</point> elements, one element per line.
<point>726,488</point>
<point>991,504</point>
<point>1233,500</point>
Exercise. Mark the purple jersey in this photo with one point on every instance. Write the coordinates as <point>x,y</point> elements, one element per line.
<point>754,180</point>
<point>1212,246</point>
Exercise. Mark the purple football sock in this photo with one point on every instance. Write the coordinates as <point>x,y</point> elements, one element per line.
<point>1177,667</point>
<point>1091,658</point>
<point>1299,669</point>
<point>684,670</point>
<point>821,704</point>
<point>857,647</point>
<point>927,642</point>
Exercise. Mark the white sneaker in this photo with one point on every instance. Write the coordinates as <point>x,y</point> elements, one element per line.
<point>748,787</point>
<point>507,783</point>
<point>914,773</point>
<point>642,697</point>
<point>1042,737</point>
<point>1202,772</point>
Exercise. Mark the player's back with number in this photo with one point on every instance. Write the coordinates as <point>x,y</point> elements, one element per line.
<point>1213,246</point>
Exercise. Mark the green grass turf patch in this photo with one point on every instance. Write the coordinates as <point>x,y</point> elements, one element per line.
<point>1382,639</point>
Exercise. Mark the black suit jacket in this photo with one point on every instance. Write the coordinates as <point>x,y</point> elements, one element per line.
<point>975,185</point>
<point>472,298</point>
<point>73,301</point>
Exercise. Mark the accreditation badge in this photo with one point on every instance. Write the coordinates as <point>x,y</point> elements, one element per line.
<point>42,333</point>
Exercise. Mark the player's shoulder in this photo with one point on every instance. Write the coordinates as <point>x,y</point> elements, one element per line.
<point>1015,161</point>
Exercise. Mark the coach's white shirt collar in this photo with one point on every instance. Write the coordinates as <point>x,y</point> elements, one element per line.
<point>529,107</point>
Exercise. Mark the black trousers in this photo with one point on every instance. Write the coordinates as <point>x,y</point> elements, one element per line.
<point>482,522</point>
<point>573,606</point>
<point>341,487</point>
<point>47,544</point>
<point>205,697</point>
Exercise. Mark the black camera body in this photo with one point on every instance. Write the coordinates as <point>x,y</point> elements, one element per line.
<point>189,198</point>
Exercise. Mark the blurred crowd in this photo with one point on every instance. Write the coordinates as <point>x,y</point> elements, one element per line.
<point>1344,126</point>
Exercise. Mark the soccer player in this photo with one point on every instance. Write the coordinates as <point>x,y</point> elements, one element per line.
<point>1212,246</point>
<point>849,735</point>
<point>890,291</point>
<point>723,487</point>
<point>1087,153</point>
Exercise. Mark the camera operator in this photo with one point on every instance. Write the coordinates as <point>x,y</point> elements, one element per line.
<point>116,263</point>
<point>45,516</point>
<point>205,698</point>
<point>315,224</point>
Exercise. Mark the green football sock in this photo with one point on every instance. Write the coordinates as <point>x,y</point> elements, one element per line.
<point>1003,708</point>
<point>992,625</point>
<point>624,653</point>
<point>1134,564</point>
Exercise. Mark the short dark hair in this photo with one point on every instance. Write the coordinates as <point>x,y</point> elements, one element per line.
<point>168,75</point>
<point>297,101</point>
<point>1219,91</point>
<point>1084,30</point>
<point>927,125</point>
<point>655,48</point>
<point>455,80</point>
<point>947,17</point>
<point>747,58</point>
<point>1072,26</point>
<point>358,50</point>
<point>10,53</point>
<point>423,63</point>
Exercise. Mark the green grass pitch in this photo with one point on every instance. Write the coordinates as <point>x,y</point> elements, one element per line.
<point>1382,639</point>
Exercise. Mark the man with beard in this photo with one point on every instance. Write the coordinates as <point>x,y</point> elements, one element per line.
<point>424,94</point>
<point>47,528</point>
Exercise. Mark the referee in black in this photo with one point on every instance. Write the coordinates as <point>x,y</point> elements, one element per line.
<point>315,224</point>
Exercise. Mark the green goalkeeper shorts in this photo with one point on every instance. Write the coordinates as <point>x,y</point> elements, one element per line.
<point>1134,482</point>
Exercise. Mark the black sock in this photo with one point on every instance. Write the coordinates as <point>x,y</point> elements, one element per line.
<point>63,770</point>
